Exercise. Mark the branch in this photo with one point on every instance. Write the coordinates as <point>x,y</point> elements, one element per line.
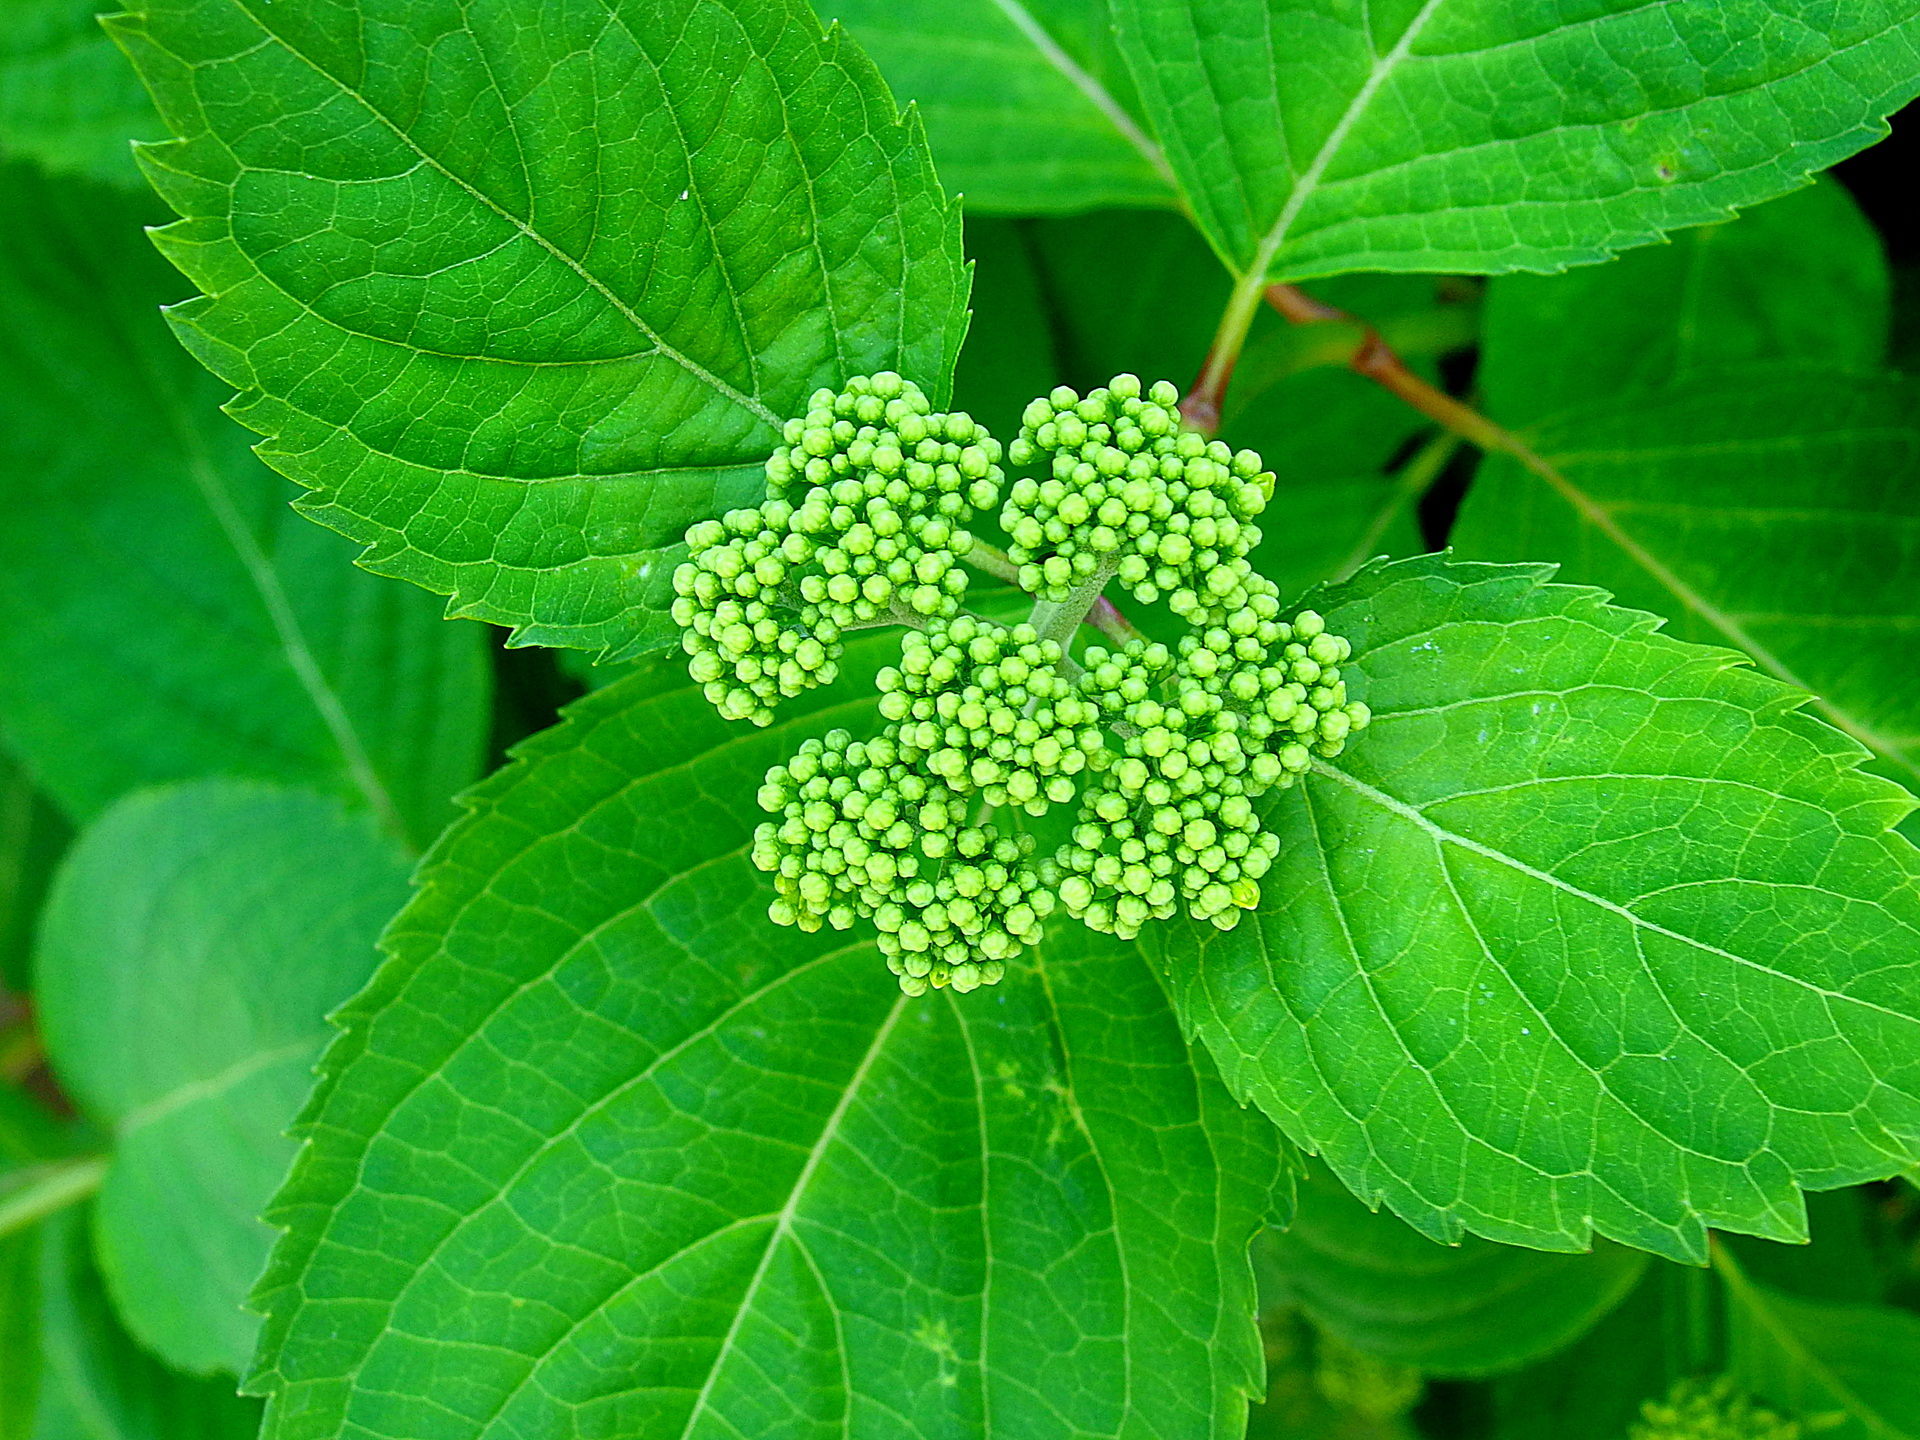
<point>993,561</point>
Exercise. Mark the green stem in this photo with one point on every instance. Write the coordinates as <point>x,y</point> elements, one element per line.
<point>1201,407</point>
<point>56,1187</point>
<point>993,561</point>
<point>1057,620</point>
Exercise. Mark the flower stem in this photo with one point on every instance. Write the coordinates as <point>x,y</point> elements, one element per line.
<point>54,1188</point>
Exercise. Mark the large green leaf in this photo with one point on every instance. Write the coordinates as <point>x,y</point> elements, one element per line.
<point>519,301</point>
<point>1312,137</point>
<point>1009,356</point>
<point>195,940</point>
<point>1592,931</point>
<point>68,99</point>
<point>1850,1364</point>
<point>1028,105</point>
<point>1475,1308</point>
<point>95,1383</point>
<point>1801,278</point>
<point>601,1149</point>
<point>162,613</point>
<point>1775,510</point>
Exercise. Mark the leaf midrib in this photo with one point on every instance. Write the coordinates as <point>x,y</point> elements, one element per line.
<point>1084,81</point>
<point>750,404</point>
<point>783,1222</point>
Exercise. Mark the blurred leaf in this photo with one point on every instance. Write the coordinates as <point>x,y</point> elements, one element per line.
<point>95,1383</point>
<point>1475,1308</point>
<point>1008,358</point>
<point>642,1163</point>
<point>195,939</point>
<point>1801,278</point>
<point>1850,1363</point>
<point>1838,1265</point>
<point>1593,1389</point>
<point>1592,931</point>
<point>19,1335</point>
<point>517,371</point>
<point>1310,139</point>
<point>1776,510</point>
<point>1133,290</point>
<point>1029,107</point>
<point>32,835</point>
<point>165,614</point>
<point>68,99</point>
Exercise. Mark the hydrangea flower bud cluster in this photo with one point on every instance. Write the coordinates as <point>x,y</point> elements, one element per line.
<point>1164,749</point>
<point>1715,1409</point>
<point>867,502</point>
<point>1127,493</point>
<point>862,833</point>
<point>985,710</point>
<point>1208,729</point>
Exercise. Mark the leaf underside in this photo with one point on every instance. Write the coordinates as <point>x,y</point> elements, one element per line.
<point>1448,135</point>
<point>519,302</point>
<point>1593,931</point>
<point>602,1147</point>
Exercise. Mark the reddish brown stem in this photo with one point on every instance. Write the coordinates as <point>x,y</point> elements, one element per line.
<point>1107,619</point>
<point>1376,360</point>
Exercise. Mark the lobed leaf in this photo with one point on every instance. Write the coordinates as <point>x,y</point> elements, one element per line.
<point>162,614</point>
<point>1028,104</point>
<point>1593,931</point>
<point>602,1148</point>
<point>1311,138</point>
<point>1471,1309</point>
<point>1776,510</point>
<point>195,940</point>
<point>519,302</point>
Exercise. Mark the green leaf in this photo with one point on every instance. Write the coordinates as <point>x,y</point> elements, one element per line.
<point>1009,355</point>
<point>1593,1390</point>
<point>520,302</point>
<point>1592,931</point>
<point>196,938</point>
<point>165,614</point>
<point>32,836</point>
<point>1850,1365</point>
<point>1028,105</point>
<point>602,1148</point>
<point>68,99</point>
<point>1775,510</point>
<point>1840,1264</point>
<point>95,1383</point>
<point>1472,1309</point>
<point>1311,138</point>
<point>1801,278</point>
